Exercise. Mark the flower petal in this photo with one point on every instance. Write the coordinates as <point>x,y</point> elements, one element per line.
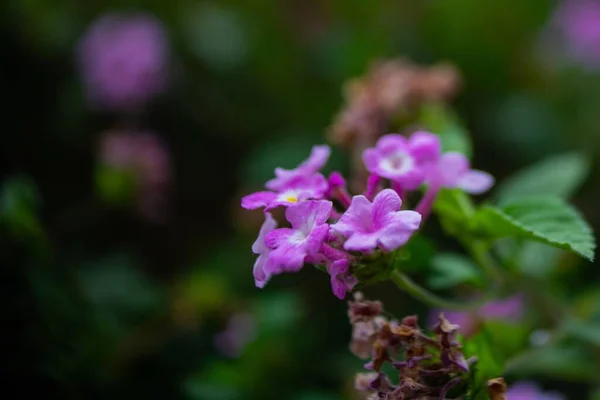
<point>357,217</point>
<point>475,181</point>
<point>259,245</point>
<point>362,242</point>
<point>257,200</point>
<point>425,146</point>
<point>387,201</point>
<point>307,214</point>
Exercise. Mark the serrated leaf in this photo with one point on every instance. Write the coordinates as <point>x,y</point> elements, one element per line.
<point>544,219</point>
<point>450,269</point>
<point>559,176</point>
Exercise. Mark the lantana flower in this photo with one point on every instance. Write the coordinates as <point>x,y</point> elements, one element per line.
<point>380,224</point>
<point>291,186</point>
<point>454,171</point>
<point>291,245</point>
<point>401,160</point>
<point>299,189</point>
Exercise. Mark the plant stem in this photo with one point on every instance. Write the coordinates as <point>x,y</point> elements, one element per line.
<point>406,284</point>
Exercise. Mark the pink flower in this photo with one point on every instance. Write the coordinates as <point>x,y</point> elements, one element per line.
<point>123,60</point>
<point>402,160</point>
<point>341,280</point>
<point>579,25</point>
<point>261,276</point>
<point>299,189</point>
<point>530,391</point>
<point>285,177</point>
<point>453,171</point>
<point>309,230</point>
<point>369,225</point>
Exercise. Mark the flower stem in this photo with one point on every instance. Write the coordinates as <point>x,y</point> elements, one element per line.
<point>426,204</point>
<point>406,284</point>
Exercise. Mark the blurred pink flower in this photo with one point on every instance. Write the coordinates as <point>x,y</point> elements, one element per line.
<point>146,158</point>
<point>578,22</point>
<point>122,60</point>
<point>509,309</point>
<point>530,391</point>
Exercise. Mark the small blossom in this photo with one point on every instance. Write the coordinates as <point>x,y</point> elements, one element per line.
<point>123,61</point>
<point>341,280</point>
<point>261,276</point>
<point>285,177</point>
<point>453,171</point>
<point>402,160</point>
<point>529,391</point>
<point>298,190</point>
<point>309,230</point>
<point>379,224</point>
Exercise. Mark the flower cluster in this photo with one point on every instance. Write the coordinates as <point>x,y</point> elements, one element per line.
<point>428,366</point>
<point>331,228</point>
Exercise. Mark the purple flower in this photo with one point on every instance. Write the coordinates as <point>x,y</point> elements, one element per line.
<point>579,24</point>
<point>341,279</point>
<point>369,225</point>
<point>123,60</point>
<point>285,177</point>
<point>530,391</point>
<point>509,310</point>
<point>261,276</point>
<point>453,171</point>
<point>402,160</point>
<point>299,189</point>
<point>309,230</point>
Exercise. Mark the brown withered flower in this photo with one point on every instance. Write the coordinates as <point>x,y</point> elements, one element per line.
<point>429,367</point>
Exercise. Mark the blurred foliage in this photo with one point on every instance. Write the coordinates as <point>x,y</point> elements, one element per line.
<point>102,303</point>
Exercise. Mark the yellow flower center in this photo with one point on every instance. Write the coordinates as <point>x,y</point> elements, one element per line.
<point>292,199</point>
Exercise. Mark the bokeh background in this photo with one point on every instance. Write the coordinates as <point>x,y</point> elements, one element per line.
<point>130,129</point>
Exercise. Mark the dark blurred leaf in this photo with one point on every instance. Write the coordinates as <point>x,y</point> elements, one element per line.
<point>415,255</point>
<point>115,186</point>
<point>569,363</point>
<point>545,219</point>
<point>538,259</point>
<point>449,270</point>
<point>279,311</point>
<point>587,331</point>
<point>556,176</point>
<point>19,201</point>
<point>120,291</point>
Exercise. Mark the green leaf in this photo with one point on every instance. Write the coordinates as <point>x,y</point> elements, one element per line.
<point>488,366</point>
<point>544,219</point>
<point>568,363</point>
<point>446,124</point>
<point>455,209</point>
<point>558,176</point>
<point>449,269</point>
<point>587,331</point>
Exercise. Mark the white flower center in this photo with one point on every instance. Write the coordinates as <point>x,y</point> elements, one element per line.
<point>297,238</point>
<point>291,196</point>
<point>398,163</point>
